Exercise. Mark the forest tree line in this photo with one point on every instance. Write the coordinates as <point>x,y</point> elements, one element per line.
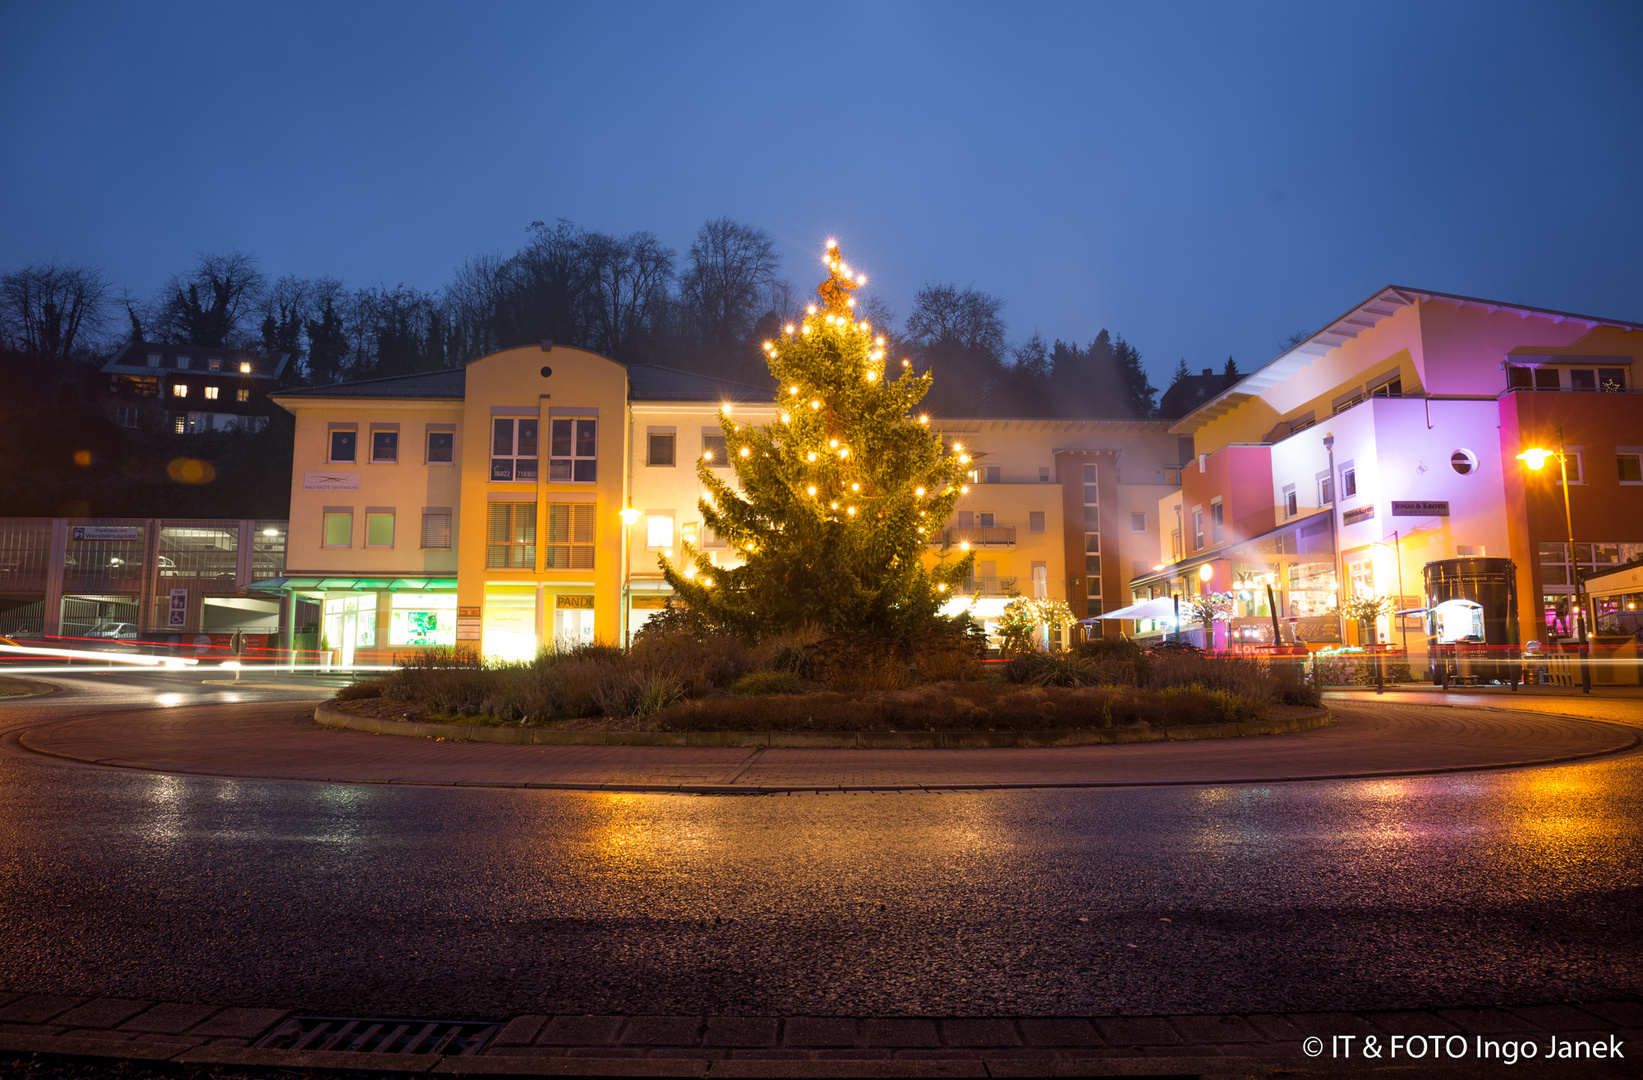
<point>630,297</point>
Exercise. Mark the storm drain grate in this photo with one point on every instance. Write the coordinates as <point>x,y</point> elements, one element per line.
<point>347,1034</point>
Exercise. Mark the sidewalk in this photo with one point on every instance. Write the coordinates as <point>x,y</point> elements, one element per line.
<point>186,1034</point>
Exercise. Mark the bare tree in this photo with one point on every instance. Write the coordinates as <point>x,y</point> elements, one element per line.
<point>46,308</point>
<point>627,286</point>
<point>958,334</point>
<point>286,308</point>
<point>206,306</point>
<point>728,284</point>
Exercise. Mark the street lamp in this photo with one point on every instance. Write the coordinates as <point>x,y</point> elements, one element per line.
<point>628,515</point>
<point>1536,458</point>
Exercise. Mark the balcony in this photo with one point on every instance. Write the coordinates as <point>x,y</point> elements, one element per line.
<point>992,586</point>
<point>1002,536</point>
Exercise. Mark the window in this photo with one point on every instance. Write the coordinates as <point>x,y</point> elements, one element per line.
<point>1291,503</point>
<point>1546,378</point>
<point>513,450</point>
<point>1043,476</point>
<point>510,535</point>
<point>342,445</point>
<point>1631,468</point>
<point>1172,474</point>
<point>1611,379</point>
<point>570,537</point>
<point>1217,532</point>
<point>660,449</point>
<point>182,363</point>
<point>987,520</point>
<point>992,474</point>
<point>179,389</point>
<point>1326,490</point>
<point>1197,527</point>
<point>1138,522</point>
<point>154,359</point>
<point>214,364</point>
<point>1349,481</point>
<point>658,531</point>
<point>715,452</point>
<point>128,416</point>
<point>210,393</point>
<point>1582,379</point>
<point>711,539</point>
<point>379,529</point>
<point>441,447</point>
<point>385,447</point>
<point>1390,388</point>
<point>339,528</point>
<point>245,367</point>
<point>422,619</point>
<point>1463,461</point>
<point>1574,464</point>
<point>179,423</point>
<point>436,529</point>
<point>964,519</point>
<point>573,450</point>
<point>242,395</point>
<point>1035,521</point>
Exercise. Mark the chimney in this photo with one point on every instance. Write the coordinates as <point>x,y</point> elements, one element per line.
<point>547,346</point>
<point>1207,371</point>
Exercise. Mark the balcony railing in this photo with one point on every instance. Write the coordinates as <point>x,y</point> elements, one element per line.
<point>999,536</point>
<point>992,586</point>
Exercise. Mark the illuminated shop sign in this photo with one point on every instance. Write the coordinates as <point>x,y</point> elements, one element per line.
<point>1362,513</point>
<point>108,532</point>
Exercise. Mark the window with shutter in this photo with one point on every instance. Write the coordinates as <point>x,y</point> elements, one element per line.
<point>510,536</point>
<point>570,537</point>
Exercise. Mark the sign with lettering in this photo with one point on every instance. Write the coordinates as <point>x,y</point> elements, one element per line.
<point>1416,508</point>
<point>468,612</point>
<point>583,603</point>
<point>1362,513</point>
<point>108,532</point>
<point>330,481</point>
<point>649,602</point>
<point>177,613</point>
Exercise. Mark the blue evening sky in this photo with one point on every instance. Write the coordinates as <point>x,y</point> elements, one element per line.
<point>1204,178</point>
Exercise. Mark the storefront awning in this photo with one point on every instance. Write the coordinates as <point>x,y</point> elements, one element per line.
<point>344,584</point>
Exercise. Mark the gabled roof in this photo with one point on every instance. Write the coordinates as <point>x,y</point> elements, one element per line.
<point>1350,324</point>
<point>646,382</point>
<point>133,360</point>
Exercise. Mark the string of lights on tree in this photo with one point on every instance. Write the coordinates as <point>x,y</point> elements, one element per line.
<point>839,496</point>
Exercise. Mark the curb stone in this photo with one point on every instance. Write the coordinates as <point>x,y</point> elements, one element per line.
<point>822,740</point>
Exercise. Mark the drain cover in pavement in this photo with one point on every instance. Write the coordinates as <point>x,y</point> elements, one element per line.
<point>370,1036</point>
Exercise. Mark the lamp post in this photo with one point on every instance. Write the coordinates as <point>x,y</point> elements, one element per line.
<point>1335,535</point>
<point>1536,458</point>
<point>628,515</point>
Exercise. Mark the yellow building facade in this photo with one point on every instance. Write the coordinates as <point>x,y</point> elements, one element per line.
<point>524,503</point>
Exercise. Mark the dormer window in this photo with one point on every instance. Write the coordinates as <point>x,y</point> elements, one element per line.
<point>245,367</point>
<point>154,359</point>
<point>214,364</point>
<point>182,363</point>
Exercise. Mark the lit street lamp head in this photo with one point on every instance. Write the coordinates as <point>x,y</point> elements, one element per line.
<point>1536,457</point>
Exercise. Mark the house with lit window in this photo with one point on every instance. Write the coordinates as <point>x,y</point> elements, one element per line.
<point>189,389</point>
<point>525,501</point>
<point>1389,440</point>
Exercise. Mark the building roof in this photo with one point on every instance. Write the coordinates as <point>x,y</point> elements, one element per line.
<point>1350,324</point>
<point>134,360</point>
<point>447,383</point>
<point>646,382</point>
<point>1191,391</point>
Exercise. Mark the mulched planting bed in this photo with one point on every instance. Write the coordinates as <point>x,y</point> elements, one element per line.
<point>986,705</point>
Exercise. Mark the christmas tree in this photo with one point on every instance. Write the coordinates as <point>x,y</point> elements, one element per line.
<point>839,496</point>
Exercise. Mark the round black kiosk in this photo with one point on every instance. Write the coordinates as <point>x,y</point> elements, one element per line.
<point>1471,620</point>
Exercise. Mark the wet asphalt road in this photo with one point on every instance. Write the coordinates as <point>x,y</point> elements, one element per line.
<point>1511,887</point>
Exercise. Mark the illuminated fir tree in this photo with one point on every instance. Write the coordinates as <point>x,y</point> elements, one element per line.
<point>839,496</point>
